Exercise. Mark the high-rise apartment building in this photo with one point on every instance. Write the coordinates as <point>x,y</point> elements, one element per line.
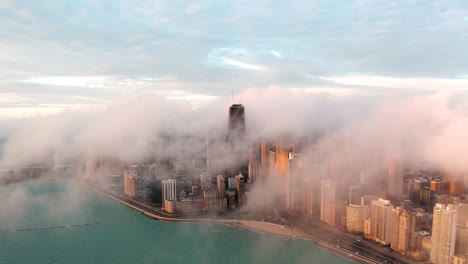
<point>297,171</point>
<point>395,181</point>
<point>460,259</point>
<point>456,186</point>
<point>221,186</point>
<point>254,171</point>
<point>396,212</point>
<point>427,198</point>
<point>381,221</point>
<point>241,189</point>
<point>169,191</point>
<point>404,225</point>
<point>355,216</point>
<point>130,185</point>
<point>462,212</point>
<point>327,198</point>
<point>440,186</point>
<point>264,160</point>
<point>444,228</point>
<point>461,240</point>
<point>420,183</point>
<point>307,201</point>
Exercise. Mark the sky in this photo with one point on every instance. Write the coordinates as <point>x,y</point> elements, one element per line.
<point>57,55</point>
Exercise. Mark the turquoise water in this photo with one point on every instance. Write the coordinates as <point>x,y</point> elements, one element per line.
<point>126,236</point>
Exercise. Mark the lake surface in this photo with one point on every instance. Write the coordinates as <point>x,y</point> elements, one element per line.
<point>126,236</point>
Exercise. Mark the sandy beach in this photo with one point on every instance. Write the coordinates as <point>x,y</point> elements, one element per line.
<point>268,227</point>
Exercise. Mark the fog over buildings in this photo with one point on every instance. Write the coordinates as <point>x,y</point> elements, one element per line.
<point>343,116</point>
<point>365,132</point>
<point>372,164</point>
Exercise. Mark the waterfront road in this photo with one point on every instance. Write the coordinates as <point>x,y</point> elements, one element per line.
<point>352,244</point>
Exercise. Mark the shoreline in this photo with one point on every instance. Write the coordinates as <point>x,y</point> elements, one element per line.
<point>267,227</point>
<point>258,226</point>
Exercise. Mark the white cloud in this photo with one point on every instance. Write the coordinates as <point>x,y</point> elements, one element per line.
<point>84,81</point>
<point>244,65</point>
<point>192,9</point>
<point>10,113</point>
<point>196,100</point>
<point>277,54</point>
<point>336,91</point>
<point>405,83</point>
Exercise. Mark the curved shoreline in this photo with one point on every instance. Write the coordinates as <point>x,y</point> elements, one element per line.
<point>267,227</point>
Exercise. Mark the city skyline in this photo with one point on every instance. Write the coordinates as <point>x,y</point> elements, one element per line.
<point>341,123</point>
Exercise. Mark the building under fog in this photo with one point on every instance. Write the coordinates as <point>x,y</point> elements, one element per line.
<point>236,121</point>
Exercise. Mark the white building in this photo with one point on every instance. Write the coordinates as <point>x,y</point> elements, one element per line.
<point>381,221</point>
<point>444,230</point>
<point>169,190</point>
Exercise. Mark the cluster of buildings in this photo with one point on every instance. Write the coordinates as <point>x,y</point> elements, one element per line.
<point>181,186</point>
<point>422,217</point>
<point>419,214</point>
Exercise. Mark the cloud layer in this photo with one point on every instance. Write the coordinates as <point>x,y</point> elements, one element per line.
<point>56,55</point>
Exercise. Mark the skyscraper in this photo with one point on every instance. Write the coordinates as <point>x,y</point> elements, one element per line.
<point>265,160</point>
<point>254,170</point>
<point>240,187</point>
<point>307,201</point>
<point>396,212</point>
<point>440,186</point>
<point>395,181</point>
<point>403,228</point>
<point>284,156</point>
<point>456,186</point>
<point>328,197</point>
<point>444,229</point>
<point>130,183</point>
<point>381,221</point>
<point>221,185</point>
<point>236,121</point>
<point>427,198</point>
<point>461,241</point>
<point>169,191</point>
<point>462,212</point>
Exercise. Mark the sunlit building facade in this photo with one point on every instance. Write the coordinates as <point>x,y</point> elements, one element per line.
<point>444,228</point>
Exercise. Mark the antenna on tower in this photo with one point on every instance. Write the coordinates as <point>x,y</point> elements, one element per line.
<point>240,92</point>
<point>232,89</point>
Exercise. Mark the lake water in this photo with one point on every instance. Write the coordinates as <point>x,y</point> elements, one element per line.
<point>126,236</point>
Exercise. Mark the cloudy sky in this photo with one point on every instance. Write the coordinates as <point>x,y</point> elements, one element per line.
<point>84,54</point>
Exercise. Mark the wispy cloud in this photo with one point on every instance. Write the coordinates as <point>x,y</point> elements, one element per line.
<point>93,53</point>
<point>405,83</point>
<point>83,81</point>
<point>244,65</point>
<point>277,54</point>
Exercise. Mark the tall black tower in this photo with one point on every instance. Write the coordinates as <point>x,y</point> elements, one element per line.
<point>236,121</point>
